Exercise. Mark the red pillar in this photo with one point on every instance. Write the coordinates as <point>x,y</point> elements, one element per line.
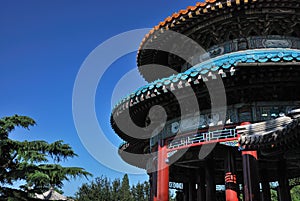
<point>250,174</point>
<point>162,173</point>
<point>230,177</point>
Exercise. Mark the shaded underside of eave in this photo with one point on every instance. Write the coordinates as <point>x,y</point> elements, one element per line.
<point>196,78</point>
<point>127,153</point>
<point>184,169</point>
<point>268,160</point>
<point>271,85</point>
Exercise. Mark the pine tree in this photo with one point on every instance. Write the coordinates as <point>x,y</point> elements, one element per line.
<point>116,187</point>
<point>140,192</point>
<point>134,193</point>
<point>125,189</point>
<point>147,190</point>
<point>120,190</point>
<point>28,161</point>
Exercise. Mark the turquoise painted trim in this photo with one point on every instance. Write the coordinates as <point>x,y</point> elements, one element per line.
<point>226,61</point>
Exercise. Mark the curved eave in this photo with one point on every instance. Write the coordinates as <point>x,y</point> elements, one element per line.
<point>218,65</point>
<point>201,8</point>
<point>212,15</point>
<point>272,135</point>
<point>223,66</point>
<point>180,19</point>
<point>127,151</point>
<point>141,100</point>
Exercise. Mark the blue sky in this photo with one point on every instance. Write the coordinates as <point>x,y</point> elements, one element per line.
<point>42,47</point>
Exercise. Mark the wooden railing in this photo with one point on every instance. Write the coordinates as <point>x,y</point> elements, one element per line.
<point>196,139</point>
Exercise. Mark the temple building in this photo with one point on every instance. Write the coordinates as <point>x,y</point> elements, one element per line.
<point>220,116</point>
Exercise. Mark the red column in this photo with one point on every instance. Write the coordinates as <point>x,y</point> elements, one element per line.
<point>162,173</point>
<point>250,174</point>
<point>230,177</point>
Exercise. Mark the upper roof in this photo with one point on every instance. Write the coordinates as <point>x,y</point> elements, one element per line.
<point>198,9</point>
<point>215,22</point>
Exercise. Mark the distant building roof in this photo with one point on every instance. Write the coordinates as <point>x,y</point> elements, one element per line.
<point>51,195</point>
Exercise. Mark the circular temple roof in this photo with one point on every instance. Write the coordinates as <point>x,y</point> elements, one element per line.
<point>213,23</point>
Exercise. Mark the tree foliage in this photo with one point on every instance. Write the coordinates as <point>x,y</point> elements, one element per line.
<point>125,189</point>
<point>101,189</point>
<point>29,162</point>
<point>295,193</point>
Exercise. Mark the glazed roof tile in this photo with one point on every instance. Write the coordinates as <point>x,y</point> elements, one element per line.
<point>216,65</point>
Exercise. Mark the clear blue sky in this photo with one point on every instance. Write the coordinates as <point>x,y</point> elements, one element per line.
<point>42,46</point>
